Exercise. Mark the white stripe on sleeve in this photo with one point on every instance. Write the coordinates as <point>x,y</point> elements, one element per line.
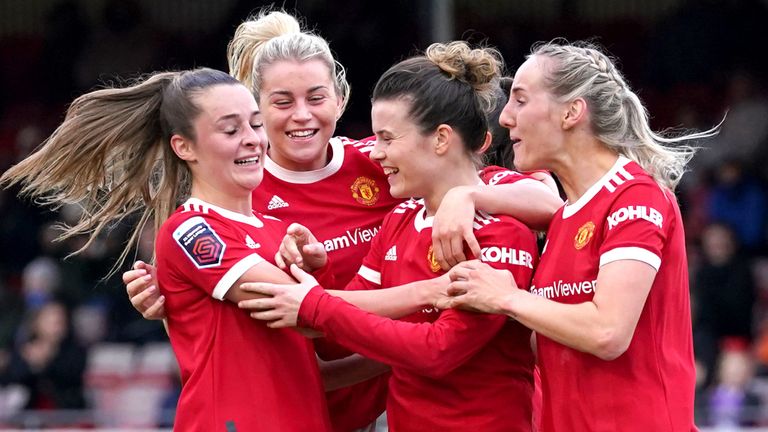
<point>237,270</point>
<point>370,275</point>
<point>631,253</point>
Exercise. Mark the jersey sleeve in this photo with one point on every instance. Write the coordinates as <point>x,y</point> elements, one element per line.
<point>207,250</point>
<point>508,245</point>
<point>496,175</point>
<point>637,225</point>
<point>430,349</point>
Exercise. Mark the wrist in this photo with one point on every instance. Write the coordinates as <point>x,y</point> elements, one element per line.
<point>511,303</point>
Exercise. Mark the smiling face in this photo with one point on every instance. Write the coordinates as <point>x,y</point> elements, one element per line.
<point>402,150</point>
<point>533,118</point>
<point>300,109</point>
<point>227,154</point>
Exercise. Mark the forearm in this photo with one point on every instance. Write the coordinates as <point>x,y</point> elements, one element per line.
<point>431,349</point>
<point>394,302</point>
<point>349,371</point>
<point>578,326</point>
<point>530,202</point>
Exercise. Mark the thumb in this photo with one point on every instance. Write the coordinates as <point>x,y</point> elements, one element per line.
<point>301,275</point>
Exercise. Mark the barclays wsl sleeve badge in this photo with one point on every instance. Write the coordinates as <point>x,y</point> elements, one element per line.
<point>200,242</point>
<point>365,191</point>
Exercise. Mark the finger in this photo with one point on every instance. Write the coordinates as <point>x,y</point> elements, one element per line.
<point>259,304</point>
<point>139,265</point>
<point>280,261</point>
<point>265,288</point>
<point>156,310</point>
<point>281,323</point>
<point>437,251</point>
<point>301,275</point>
<point>457,289</point>
<point>138,300</point>
<point>456,251</point>
<point>290,250</point>
<point>132,275</point>
<point>474,246</point>
<point>459,273</point>
<point>138,285</point>
<point>268,315</point>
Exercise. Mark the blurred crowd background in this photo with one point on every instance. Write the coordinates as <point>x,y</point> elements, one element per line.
<point>73,352</point>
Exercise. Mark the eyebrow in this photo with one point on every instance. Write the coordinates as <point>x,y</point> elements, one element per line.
<point>235,116</point>
<point>311,89</point>
<point>517,89</point>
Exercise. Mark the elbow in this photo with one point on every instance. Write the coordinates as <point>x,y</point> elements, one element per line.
<point>609,344</point>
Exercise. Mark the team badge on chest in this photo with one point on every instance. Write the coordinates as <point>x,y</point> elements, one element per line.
<point>584,235</point>
<point>433,264</point>
<point>365,191</point>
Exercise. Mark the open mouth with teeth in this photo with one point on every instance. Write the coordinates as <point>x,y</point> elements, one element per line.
<point>302,134</point>
<point>248,161</point>
<point>390,171</point>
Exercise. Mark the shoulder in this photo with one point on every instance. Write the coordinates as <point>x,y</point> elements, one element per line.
<point>356,147</point>
<point>495,226</point>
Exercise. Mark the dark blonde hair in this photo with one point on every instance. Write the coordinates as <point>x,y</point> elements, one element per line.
<point>112,157</point>
<point>450,84</point>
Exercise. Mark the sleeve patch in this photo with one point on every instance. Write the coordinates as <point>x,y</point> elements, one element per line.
<point>200,242</point>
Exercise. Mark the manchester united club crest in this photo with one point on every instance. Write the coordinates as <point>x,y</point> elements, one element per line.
<point>433,264</point>
<point>365,191</point>
<point>584,235</point>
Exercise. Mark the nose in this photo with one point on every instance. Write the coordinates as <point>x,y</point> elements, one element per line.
<point>507,116</point>
<point>301,112</point>
<point>256,138</point>
<point>377,153</point>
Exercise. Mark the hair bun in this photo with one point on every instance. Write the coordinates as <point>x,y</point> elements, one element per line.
<point>476,67</point>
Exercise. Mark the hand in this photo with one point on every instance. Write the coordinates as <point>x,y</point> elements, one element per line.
<point>300,247</point>
<point>478,286</point>
<point>141,286</point>
<point>453,226</point>
<point>281,308</point>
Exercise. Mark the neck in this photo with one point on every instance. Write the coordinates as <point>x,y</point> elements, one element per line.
<point>445,179</point>
<point>583,165</point>
<point>282,160</point>
<point>237,202</point>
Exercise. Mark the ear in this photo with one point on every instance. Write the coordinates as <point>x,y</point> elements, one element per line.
<point>183,148</point>
<point>576,112</point>
<point>339,105</point>
<point>443,135</point>
<point>486,143</point>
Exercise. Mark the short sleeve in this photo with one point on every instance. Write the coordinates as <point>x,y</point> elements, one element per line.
<point>510,246</point>
<point>637,225</point>
<point>210,253</point>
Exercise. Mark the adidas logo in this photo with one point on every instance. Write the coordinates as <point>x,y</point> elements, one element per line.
<point>276,202</point>
<point>250,243</point>
<point>391,254</point>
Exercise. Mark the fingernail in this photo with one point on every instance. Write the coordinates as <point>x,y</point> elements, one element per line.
<point>152,288</point>
<point>147,277</point>
<point>161,299</point>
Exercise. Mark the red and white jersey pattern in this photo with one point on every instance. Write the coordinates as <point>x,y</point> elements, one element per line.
<point>342,203</point>
<point>237,374</point>
<point>626,215</point>
<point>493,175</point>
<point>451,370</point>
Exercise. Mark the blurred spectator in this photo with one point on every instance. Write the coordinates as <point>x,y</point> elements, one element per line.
<point>732,403</point>
<point>48,361</point>
<point>40,281</point>
<point>724,295</point>
<point>739,200</point>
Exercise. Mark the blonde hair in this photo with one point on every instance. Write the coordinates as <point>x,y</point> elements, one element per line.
<point>618,117</point>
<point>112,157</point>
<point>452,84</point>
<point>272,36</point>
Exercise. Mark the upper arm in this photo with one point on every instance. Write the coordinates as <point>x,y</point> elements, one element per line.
<point>529,199</point>
<point>263,271</point>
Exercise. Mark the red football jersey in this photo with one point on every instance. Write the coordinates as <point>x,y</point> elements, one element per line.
<point>236,373</point>
<point>625,215</point>
<point>343,204</point>
<point>451,370</point>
